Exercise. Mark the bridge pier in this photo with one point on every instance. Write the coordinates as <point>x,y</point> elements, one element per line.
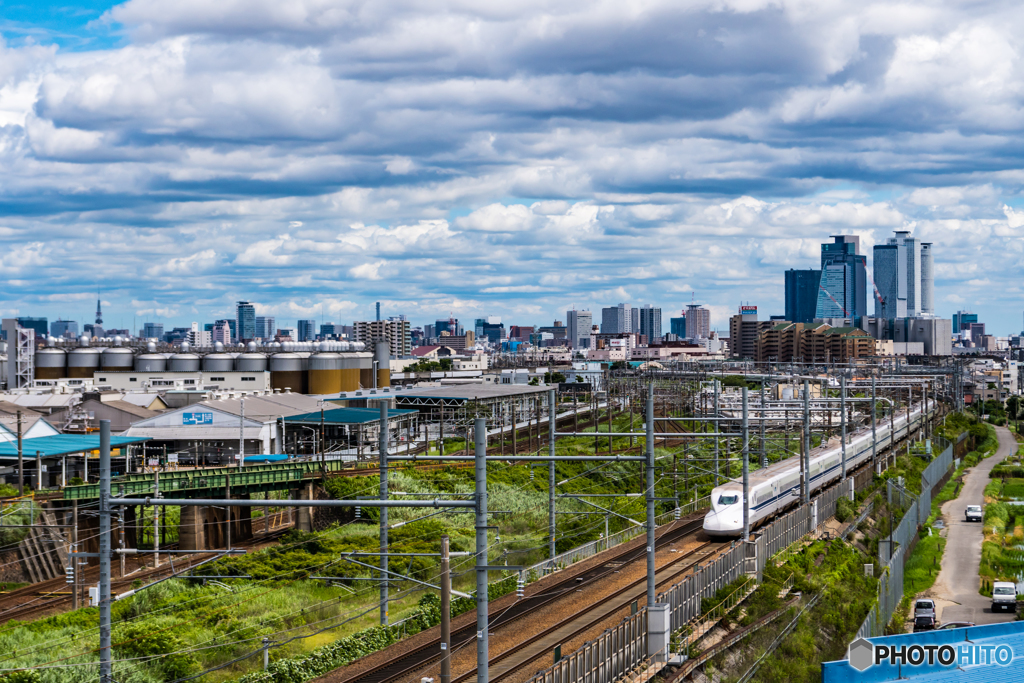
<point>192,529</point>
<point>304,516</point>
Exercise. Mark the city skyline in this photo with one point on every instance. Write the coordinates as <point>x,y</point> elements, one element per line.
<point>469,175</point>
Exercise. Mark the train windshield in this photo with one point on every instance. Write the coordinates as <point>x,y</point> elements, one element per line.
<point>728,500</point>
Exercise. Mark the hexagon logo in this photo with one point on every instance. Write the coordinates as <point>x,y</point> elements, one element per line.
<point>862,654</point>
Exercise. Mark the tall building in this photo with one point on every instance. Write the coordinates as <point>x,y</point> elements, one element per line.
<point>37,324</point>
<point>634,320</point>
<point>962,321</point>
<point>520,332</point>
<point>744,332</point>
<point>266,326</point>
<point>904,275</point>
<point>221,332</point>
<point>396,332</point>
<point>451,326</point>
<point>152,331</point>
<point>650,322</point>
<point>677,326</point>
<point>245,327</point>
<point>842,291</point>
<point>802,294</point>
<point>307,330</point>
<point>494,332</point>
<point>332,331</point>
<point>617,319</point>
<point>698,322</point>
<point>579,324</point>
<point>199,338</point>
<point>64,328</point>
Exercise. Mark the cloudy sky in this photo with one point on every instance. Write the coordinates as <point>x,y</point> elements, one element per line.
<point>512,159</point>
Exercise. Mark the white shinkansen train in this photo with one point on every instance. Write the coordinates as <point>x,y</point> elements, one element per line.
<point>778,486</point>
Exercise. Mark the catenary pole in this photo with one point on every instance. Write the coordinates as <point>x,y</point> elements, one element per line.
<point>106,672</point>
<point>480,433</point>
<point>446,614</point>
<point>383,449</point>
<point>746,470</point>
<point>874,427</point>
<point>650,496</point>
<point>807,443</point>
<point>716,430</point>
<point>552,407</point>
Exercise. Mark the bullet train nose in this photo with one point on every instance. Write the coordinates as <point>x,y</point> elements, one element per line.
<point>725,523</point>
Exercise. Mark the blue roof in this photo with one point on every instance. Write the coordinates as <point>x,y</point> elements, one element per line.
<point>63,444</point>
<point>346,416</point>
<point>272,457</point>
<point>1011,634</point>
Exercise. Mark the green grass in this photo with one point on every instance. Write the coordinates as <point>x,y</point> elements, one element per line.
<point>923,565</point>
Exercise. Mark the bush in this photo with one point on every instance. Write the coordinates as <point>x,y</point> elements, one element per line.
<point>844,510</point>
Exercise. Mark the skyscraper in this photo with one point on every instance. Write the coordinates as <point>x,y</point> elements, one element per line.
<point>842,290</point>
<point>245,328</point>
<point>677,326</point>
<point>650,322</point>
<point>64,328</point>
<point>904,275</point>
<point>266,326</point>
<point>698,322</point>
<point>579,324</point>
<point>617,319</point>
<point>307,330</point>
<point>802,294</point>
<point>153,331</point>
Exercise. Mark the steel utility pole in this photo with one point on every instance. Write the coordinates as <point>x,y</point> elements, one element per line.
<point>383,448</point>
<point>21,462</point>
<point>716,430</point>
<point>651,597</point>
<point>241,432</point>
<point>480,434</point>
<point>446,614</point>
<point>552,407</point>
<point>106,672</point>
<point>807,443</point>
<point>842,418</point>
<point>874,434</point>
<point>746,470</point>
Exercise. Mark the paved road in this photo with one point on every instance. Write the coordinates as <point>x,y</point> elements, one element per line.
<point>956,588</point>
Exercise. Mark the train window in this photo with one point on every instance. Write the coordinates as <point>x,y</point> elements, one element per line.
<point>728,500</point>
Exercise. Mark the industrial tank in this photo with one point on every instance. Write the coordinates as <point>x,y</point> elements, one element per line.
<point>250,362</point>
<point>150,362</point>
<point>51,362</point>
<point>382,354</point>
<point>117,359</point>
<point>218,362</point>
<point>349,371</point>
<point>183,362</point>
<point>83,362</point>
<point>365,361</point>
<point>324,373</point>
<point>286,372</point>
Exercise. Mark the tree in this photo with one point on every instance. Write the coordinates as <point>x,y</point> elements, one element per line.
<point>553,378</point>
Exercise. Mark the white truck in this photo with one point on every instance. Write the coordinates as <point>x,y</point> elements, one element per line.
<point>1004,596</point>
<point>973,513</point>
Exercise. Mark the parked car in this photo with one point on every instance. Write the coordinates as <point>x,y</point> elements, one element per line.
<point>955,624</point>
<point>924,624</point>
<point>973,513</point>
<point>924,607</point>
<point>1004,596</point>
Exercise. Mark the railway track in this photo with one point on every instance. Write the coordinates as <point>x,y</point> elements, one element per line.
<point>407,663</point>
<point>576,625</point>
<point>39,599</point>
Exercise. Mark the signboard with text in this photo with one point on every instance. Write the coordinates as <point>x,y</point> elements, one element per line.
<point>197,418</point>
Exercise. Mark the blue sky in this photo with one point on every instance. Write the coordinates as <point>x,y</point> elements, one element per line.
<point>509,159</point>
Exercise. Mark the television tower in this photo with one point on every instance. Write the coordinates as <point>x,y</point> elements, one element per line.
<point>99,310</point>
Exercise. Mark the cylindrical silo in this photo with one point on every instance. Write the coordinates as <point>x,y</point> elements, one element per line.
<point>251,362</point>
<point>150,362</point>
<point>51,363</point>
<point>117,359</point>
<point>218,362</point>
<point>83,362</point>
<point>325,373</point>
<point>349,372</point>
<point>183,362</point>
<point>365,360</point>
<point>286,372</point>
<point>927,279</point>
<point>382,354</point>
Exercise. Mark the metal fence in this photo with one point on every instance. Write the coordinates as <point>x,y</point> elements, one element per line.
<point>610,656</point>
<point>684,598</point>
<point>890,592</point>
<point>932,477</point>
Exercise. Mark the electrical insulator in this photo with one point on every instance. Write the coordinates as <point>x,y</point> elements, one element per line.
<point>520,588</point>
<point>69,572</point>
<point>359,512</point>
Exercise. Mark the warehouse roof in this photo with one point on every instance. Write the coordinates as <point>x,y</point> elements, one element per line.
<point>63,444</point>
<point>346,416</point>
<point>472,392</point>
